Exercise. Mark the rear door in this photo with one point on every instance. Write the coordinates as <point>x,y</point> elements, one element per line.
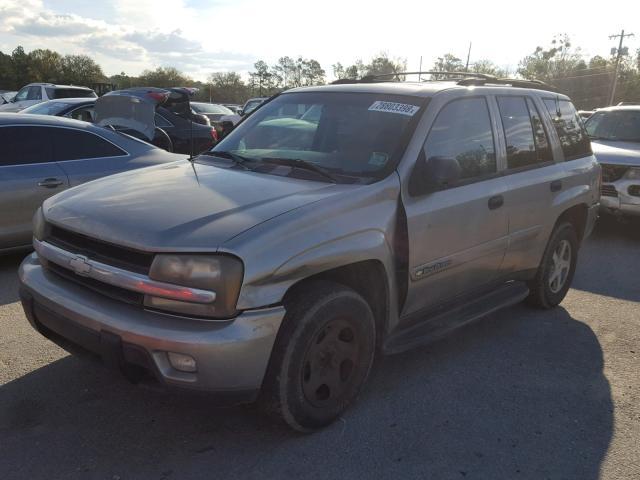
<point>458,235</point>
<point>28,176</point>
<point>533,176</point>
<point>85,156</point>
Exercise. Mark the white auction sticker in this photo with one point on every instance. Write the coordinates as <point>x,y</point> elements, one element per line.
<point>392,107</point>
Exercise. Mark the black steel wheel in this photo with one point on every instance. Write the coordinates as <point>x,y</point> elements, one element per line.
<point>322,357</point>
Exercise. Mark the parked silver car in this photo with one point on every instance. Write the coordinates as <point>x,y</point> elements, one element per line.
<point>41,156</point>
<point>35,93</point>
<point>615,136</point>
<point>278,263</point>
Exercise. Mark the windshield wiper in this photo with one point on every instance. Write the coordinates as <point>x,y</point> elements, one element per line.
<point>302,164</point>
<point>237,159</point>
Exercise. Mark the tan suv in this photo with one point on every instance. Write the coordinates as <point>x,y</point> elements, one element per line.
<point>274,266</point>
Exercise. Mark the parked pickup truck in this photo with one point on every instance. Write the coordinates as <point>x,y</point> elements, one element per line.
<point>276,265</point>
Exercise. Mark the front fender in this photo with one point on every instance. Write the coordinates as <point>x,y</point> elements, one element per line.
<point>357,247</point>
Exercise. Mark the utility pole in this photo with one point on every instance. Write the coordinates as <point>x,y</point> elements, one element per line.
<point>619,53</point>
<point>466,68</point>
<point>420,69</point>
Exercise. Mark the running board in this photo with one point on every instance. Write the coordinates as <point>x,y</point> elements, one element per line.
<point>441,323</point>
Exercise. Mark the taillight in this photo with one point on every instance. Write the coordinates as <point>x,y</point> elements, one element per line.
<point>214,135</point>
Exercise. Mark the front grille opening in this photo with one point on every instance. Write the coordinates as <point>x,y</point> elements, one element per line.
<point>104,252</point>
<point>613,173</point>
<point>120,294</point>
<point>608,191</point>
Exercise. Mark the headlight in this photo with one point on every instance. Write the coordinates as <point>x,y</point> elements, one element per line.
<point>221,274</point>
<point>633,174</point>
<point>39,225</point>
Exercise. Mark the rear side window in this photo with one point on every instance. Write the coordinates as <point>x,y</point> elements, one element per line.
<point>24,145</point>
<point>74,145</point>
<point>518,132</point>
<point>54,93</point>
<point>573,137</point>
<point>462,130</point>
<point>542,141</point>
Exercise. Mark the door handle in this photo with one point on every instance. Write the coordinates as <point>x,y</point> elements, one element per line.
<point>556,185</point>
<point>496,202</point>
<point>50,183</point>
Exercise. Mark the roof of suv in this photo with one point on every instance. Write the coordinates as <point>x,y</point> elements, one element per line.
<point>620,108</point>
<point>418,89</point>
<point>53,85</point>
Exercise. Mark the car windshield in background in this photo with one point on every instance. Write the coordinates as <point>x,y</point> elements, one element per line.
<point>251,106</point>
<point>54,93</point>
<point>621,125</point>
<point>344,134</point>
<point>47,108</point>
<point>210,108</point>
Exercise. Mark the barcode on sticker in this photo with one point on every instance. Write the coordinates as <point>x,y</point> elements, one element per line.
<point>392,107</point>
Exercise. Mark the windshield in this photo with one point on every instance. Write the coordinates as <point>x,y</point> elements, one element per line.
<point>47,108</point>
<point>251,105</point>
<point>346,134</point>
<point>621,125</point>
<point>211,108</point>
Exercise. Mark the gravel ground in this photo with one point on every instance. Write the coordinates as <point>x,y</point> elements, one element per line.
<point>523,394</point>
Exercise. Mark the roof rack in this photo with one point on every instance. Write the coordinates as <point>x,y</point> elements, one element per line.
<point>390,77</point>
<point>470,79</point>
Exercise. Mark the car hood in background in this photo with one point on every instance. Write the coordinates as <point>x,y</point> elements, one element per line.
<point>616,153</point>
<point>10,108</point>
<point>180,206</point>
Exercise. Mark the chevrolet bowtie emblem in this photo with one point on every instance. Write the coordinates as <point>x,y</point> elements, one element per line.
<point>80,265</point>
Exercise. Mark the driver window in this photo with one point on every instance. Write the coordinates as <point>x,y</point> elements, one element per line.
<point>462,131</point>
<point>86,114</point>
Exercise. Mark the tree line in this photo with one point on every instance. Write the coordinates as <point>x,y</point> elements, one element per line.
<point>586,80</point>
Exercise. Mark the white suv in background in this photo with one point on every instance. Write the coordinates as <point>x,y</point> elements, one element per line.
<point>41,92</point>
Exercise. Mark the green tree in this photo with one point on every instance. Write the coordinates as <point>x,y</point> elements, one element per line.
<point>7,73</point>
<point>559,60</point>
<point>382,65</point>
<point>488,67</point>
<point>81,70</point>
<point>45,66</point>
<point>20,62</point>
<point>262,80</point>
<point>227,87</point>
<point>447,63</point>
<point>164,77</point>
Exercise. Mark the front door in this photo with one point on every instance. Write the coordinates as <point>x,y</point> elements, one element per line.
<point>458,235</point>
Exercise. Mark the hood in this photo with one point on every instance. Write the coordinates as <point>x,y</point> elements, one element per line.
<point>179,206</point>
<point>10,108</point>
<point>616,153</point>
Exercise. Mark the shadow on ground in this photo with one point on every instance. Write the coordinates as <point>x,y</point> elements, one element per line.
<point>9,277</point>
<point>519,395</point>
<point>611,257</point>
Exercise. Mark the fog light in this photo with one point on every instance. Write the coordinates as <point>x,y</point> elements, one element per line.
<point>182,362</point>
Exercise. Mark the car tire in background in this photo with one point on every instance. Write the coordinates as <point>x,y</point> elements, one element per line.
<point>556,270</point>
<point>322,356</point>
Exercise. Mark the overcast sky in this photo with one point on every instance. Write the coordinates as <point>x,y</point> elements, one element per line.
<point>203,36</point>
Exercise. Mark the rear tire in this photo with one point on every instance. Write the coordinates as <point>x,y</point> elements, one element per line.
<point>556,270</point>
<point>322,357</point>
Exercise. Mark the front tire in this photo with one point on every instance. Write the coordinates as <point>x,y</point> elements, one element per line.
<point>556,270</point>
<point>322,357</point>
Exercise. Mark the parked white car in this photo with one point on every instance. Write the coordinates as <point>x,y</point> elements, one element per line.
<point>41,92</point>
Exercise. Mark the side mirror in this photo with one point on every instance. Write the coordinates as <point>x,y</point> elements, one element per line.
<point>240,112</point>
<point>433,174</point>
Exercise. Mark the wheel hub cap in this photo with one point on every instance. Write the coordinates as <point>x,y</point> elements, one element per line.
<point>329,363</point>
<point>560,266</point>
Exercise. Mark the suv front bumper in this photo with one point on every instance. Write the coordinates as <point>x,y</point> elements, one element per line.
<point>231,355</point>
<point>616,197</point>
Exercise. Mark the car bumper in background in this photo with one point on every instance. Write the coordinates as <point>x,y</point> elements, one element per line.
<point>231,356</point>
<point>617,199</point>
